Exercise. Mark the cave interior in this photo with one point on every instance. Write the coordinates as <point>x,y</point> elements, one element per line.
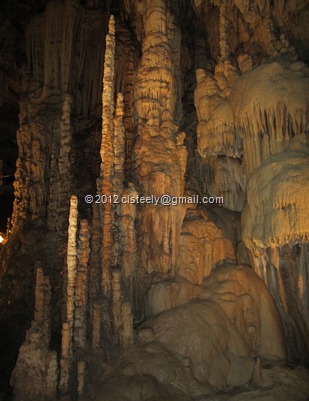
<point>154,187</point>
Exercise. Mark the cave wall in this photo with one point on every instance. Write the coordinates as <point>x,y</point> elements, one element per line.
<point>153,98</point>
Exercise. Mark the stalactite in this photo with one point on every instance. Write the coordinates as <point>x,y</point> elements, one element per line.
<point>87,68</point>
<point>70,27</point>
<point>270,106</point>
<point>126,60</point>
<point>51,50</point>
<point>278,190</point>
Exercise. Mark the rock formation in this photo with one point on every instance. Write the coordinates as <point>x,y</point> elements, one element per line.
<point>159,240</point>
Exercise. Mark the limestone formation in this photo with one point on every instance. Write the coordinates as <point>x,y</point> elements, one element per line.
<point>127,330</point>
<point>277,97</point>
<point>202,247</point>
<point>128,218</point>
<point>66,361</point>
<point>35,375</point>
<point>105,186</point>
<point>275,218</point>
<point>82,285</point>
<point>72,259</point>
<point>276,211</point>
<point>234,288</point>
<point>124,110</point>
<point>160,162</point>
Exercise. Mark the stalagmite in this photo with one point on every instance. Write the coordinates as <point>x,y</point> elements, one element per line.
<point>81,366</point>
<point>95,254</point>
<point>105,186</point>
<point>96,326</point>
<point>128,217</point>
<point>72,259</point>
<point>66,360</point>
<point>65,179</point>
<point>137,292</point>
<point>119,146</point>
<point>224,32</point>
<point>42,303</point>
<point>118,179</point>
<point>155,103</point>
<point>257,378</point>
<point>117,303</point>
<point>81,292</point>
<point>127,330</point>
<point>36,372</point>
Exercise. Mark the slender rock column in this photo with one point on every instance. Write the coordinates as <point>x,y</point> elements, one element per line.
<point>118,179</point>
<point>72,258</point>
<point>116,305</point>
<point>96,325</point>
<point>223,32</point>
<point>127,331</point>
<point>80,322</point>
<point>68,326</point>
<point>105,186</point>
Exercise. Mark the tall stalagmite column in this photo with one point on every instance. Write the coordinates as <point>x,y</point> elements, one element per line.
<point>118,179</point>
<point>68,326</point>
<point>160,158</point>
<point>105,184</point>
<point>81,292</point>
<point>71,258</point>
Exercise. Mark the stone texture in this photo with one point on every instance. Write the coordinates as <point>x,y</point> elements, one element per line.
<point>274,220</point>
<point>35,375</point>
<point>160,158</point>
<point>202,246</point>
<point>247,302</point>
<point>276,210</point>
